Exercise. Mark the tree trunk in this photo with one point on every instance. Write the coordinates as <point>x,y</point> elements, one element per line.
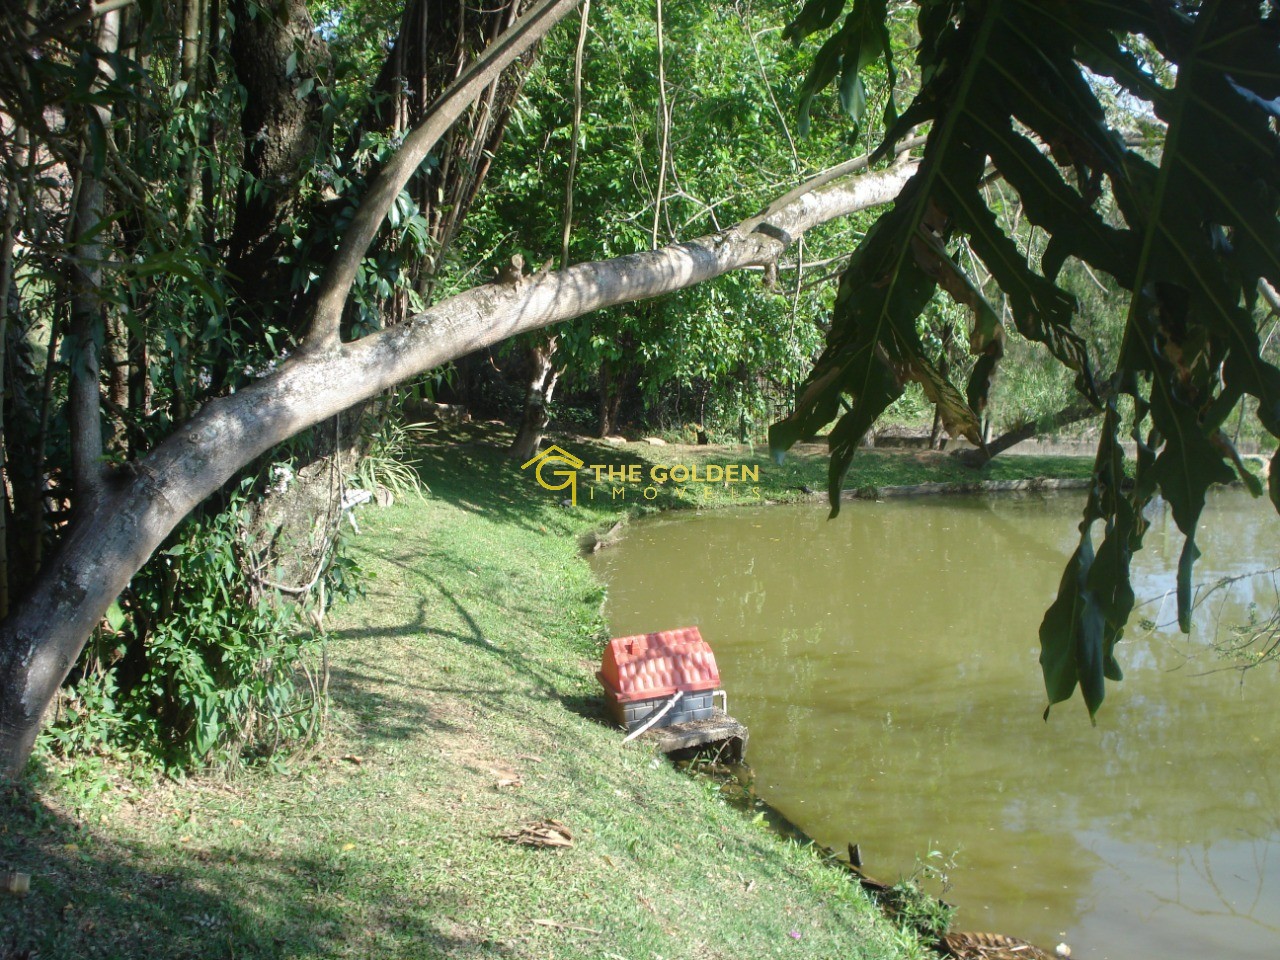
<point>86,331</point>
<point>1072,413</point>
<point>543,377</point>
<point>282,133</point>
<point>7,235</point>
<point>944,368</point>
<point>610,400</point>
<point>117,532</point>
<point>935,432</point>
<point>116,351</point>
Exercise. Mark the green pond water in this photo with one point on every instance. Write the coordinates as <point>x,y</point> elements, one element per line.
<point>886,664</point>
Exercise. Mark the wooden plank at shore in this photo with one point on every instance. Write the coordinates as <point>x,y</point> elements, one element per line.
<point>696,733</point>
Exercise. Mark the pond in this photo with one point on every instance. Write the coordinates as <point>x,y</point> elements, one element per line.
<point>886,664</point>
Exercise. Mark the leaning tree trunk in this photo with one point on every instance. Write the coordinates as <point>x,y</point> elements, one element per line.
<point>1065,417</point>
<point>543,377</point>
<point>436,39</point>
<point>118,531</point>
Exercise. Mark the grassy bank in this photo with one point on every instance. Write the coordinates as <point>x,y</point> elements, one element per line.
<point>802,475</point>
<point>463,708</point>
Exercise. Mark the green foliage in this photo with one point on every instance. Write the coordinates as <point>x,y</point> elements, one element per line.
<point>727,69</point>
<point>1017,82</point>
<point>389,461</point>
<point>862,41</point>
<point>910,903</point>
<point>198,663</point>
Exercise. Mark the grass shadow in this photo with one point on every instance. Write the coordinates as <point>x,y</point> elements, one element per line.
<point>94,896</point>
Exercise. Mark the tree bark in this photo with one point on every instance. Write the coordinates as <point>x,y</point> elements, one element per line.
<point>7,235</point>
<point>282,133</point>
<point>86,330</point>
<point>117,532</point>
<point>543,377</point>
<point>1072,413</point>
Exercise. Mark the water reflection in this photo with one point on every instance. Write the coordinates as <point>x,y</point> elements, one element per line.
<point>887,665</point>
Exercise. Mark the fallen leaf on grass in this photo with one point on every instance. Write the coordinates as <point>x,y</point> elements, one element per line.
<point>543,833</point>
<point>529,756</point>
<point>564,926</point>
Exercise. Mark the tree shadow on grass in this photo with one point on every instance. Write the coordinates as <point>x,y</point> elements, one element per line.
<point>590,707</point>
<point>479,477</point>
<point>547,678</point>
<point>95,896</point>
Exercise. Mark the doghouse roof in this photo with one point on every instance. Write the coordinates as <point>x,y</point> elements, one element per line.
<point>658,664</point>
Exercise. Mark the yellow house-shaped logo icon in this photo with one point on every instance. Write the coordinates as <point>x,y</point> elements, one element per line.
<point>557,456</point>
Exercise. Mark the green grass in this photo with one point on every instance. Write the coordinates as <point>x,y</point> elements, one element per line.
<point>464,705</point>
<point>804,467</point>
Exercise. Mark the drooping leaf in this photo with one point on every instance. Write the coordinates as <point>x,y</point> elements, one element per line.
<point>861,40</point>
<point>815,15</point>
<point>1013,85</point>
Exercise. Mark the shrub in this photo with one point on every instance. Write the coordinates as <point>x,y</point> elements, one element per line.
<point>200,661</point>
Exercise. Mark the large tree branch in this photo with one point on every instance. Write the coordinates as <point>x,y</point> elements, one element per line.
<point>1072,413</point>
<point>41,640</point>
<point>359,234</point>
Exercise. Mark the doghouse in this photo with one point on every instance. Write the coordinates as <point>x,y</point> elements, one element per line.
<point>642,674</point>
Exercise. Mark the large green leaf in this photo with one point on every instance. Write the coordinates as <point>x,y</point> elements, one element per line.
<point>1014,85</point>
<point>861,41</point>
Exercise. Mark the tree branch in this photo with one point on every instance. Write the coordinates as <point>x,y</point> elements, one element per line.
<point>66,24</point>
<point>1270,295</point>
<point>360,233</point>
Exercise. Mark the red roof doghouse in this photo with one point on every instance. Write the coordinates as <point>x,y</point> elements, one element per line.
<point>641,674</point>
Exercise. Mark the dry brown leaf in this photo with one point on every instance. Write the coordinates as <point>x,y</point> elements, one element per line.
<point>543,833</point>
